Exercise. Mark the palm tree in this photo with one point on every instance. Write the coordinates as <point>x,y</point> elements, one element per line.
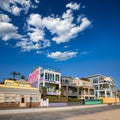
<point>13,74</point>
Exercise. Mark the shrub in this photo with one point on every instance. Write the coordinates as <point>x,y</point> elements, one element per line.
<point>56,99</point>
<point>74,100</point>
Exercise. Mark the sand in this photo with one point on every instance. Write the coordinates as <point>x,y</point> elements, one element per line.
<point>107,115</point>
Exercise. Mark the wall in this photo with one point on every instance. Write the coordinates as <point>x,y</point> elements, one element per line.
<point>9,105</point>
<point>110,100</point>
<point>34,77</point>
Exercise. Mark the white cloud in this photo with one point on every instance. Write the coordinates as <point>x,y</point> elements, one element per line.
<point>4,18</point>
<point>28,45</point>
<point>37,1</point>
<point>15,10</point>
<point>15,6</point>
<point>73,6</point>
<point>61,56</point>
<point>36,35</point>
<point>7,30</point>
<point>11,35</point>
<point>7,27</point>
<point>35,20</point>
<point>85,23</point>
<point>39,52</point>
<point>66,46</point>
<point>62,29</point>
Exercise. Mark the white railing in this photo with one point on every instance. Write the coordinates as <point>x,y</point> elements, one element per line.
<point>53,92</point>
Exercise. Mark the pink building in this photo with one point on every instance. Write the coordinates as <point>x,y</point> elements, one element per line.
<point>48,78</point>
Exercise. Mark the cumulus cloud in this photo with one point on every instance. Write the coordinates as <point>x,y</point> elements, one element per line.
<point>61,56</point>
<point>62,29</point>
<point>73,6</point>
<point>4,18</point>
<point>27,45</point>
<point>7,30</point>
<point>15,6</point>
<point>36,35</point>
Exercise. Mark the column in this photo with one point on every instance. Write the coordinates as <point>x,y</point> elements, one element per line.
<point>98,87</point>
<point>105,93</point>
<point>44,79</point>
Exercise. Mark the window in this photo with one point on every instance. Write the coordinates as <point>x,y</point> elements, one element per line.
<point>21,85</point>
<point>10,98</point>
<point>95,80</point>
<point>42,74</point>
<point>50,77</point>
<point>84,83</point>
<point>46,76</point>
<point>96,87</point>
<point>9,84</point>
<point>57,78</point>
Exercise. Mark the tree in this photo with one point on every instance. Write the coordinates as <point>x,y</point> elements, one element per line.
<point>22,77</point>
<point>61,92</point>
<point>44,92</point>
<point>81,89</point>
<point>13,74</point>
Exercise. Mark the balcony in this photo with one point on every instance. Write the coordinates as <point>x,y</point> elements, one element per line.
<point>55,92</point>
<point>70,93</point>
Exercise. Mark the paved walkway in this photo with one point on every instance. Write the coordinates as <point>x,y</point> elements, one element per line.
<point>33,110</point>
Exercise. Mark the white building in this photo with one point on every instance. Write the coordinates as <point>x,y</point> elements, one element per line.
<point>47,78</point>
<point>104,86</point>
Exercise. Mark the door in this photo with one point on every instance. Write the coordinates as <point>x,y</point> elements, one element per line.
<point>22,102</point>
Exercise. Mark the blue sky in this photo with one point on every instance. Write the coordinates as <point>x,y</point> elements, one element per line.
<point>77,37</point>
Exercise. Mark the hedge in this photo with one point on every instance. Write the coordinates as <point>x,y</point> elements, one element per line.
<point>55,99</point>
<point>74,100</point>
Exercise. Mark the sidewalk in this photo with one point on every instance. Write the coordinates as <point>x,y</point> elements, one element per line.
<point>33,110</point>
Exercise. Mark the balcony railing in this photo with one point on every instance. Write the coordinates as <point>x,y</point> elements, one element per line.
<point>56,92</point>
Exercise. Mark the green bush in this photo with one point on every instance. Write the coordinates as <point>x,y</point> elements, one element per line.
<point>74,100</point>
<point>55,99</point>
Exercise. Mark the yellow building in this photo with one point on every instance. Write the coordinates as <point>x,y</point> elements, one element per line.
<point>18,94</point>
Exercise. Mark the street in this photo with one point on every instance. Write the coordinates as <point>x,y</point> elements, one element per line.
<point>100,113</point>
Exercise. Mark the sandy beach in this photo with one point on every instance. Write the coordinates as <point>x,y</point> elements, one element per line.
<point>107,115</point>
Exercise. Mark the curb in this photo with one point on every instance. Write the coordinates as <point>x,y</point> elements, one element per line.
<point>34,110</point>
